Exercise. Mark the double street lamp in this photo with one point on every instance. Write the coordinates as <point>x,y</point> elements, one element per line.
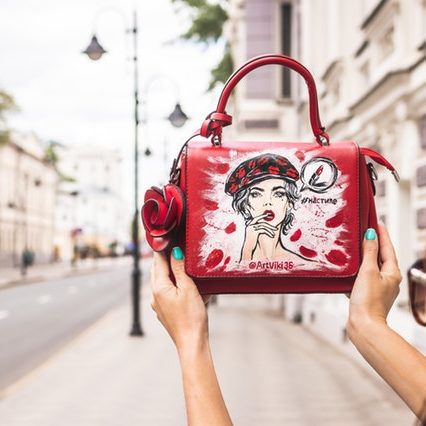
<point>177,118</point>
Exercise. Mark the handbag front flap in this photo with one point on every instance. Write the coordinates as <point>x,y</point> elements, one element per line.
<point>271,208</point>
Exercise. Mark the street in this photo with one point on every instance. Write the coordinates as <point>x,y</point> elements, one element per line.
<point>272,372</point>
<point>38,319</point>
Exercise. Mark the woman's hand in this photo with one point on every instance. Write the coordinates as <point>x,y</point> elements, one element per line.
<point>375,288</point>
<point>254,229</point>
<point>401,365</point>
<point>179,308</point>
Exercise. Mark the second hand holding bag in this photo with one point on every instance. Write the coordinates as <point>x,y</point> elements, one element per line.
<point>266,217</point>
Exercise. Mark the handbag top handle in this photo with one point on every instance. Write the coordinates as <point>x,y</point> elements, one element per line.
<point>215,121</point>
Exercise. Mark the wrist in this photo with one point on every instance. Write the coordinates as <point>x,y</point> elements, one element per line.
<point>190,348</point>
<point>363,324</point>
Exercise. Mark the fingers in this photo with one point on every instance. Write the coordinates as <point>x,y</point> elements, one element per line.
<point>264,230</point>
<point>387,253</point>
<point>266,225</point>
<point>370,250</point>
<point>160,272</point>
<point>161,266</point>
<point>257,218</point>
<point>178,268</point>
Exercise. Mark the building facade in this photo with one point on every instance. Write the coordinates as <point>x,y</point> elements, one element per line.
<point>27,201</point>
<point>368,59</point>
<point>91,211</point>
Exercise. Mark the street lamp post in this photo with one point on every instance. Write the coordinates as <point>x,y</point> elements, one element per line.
<point>136,329</point>
<point>95,51</point>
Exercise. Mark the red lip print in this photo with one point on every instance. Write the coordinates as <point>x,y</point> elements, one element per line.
<point>230,228</point>
<point>296,235</point>
<point>214,258</point>
<point>271,215</point>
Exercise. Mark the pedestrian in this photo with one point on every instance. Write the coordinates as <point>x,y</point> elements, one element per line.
<point>27,259</point>
<point>181,310</point>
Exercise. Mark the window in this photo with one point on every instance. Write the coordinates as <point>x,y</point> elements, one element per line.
<point>386,42</point>
<point>422,131</point>
<point>286,15</point>
<point>365,73</point>
<point>335,92</point>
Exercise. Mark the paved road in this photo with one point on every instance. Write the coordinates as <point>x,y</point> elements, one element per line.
<point>37,319</point>
<point>273,373</point>
<point>278,373</point>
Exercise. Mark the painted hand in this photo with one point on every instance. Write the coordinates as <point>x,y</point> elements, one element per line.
<point>254,229</point>
<point>181,308</point>
<point>375,288</point>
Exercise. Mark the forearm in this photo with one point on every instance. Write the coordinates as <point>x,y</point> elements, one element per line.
<point>203,397</point>
<point>395,360</point>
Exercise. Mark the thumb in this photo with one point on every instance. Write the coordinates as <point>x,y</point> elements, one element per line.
<point>177,264</point>
<point>370,250</point>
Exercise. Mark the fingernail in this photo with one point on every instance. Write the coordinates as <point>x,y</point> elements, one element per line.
<point>177,253</point>
<point>370,234</point>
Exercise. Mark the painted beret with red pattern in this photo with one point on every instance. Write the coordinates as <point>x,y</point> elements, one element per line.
<point>259,168</point>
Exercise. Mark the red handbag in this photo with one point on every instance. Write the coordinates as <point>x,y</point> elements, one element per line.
<point>266,217</point>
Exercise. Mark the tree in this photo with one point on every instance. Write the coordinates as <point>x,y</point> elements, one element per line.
<point>208,20</point>
<point>7,105</point>
<point>51,157</point>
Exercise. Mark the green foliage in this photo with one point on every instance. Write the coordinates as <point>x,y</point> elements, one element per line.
<point>207,27</point>
<point>65,178</point>
<point>50,155</point>
<point>4,137</point>
<point>7,104</point>
<point>223,70</point>
<point>192,3</point>
<point>207,24</point>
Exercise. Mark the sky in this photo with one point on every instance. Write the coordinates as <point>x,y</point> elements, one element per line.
<point>65,97</point>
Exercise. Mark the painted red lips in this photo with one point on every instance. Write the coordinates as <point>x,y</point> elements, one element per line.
<point>271,215</point>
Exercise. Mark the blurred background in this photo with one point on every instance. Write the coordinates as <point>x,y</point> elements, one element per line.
<point>89,91</point>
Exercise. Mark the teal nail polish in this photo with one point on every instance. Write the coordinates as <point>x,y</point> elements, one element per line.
<point>370,234</point>
<point>177,253</point>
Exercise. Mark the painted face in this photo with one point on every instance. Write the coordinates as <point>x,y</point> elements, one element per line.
<point>268,196</point>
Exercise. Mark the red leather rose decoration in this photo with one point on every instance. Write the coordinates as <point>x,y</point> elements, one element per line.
<point>162,214</point>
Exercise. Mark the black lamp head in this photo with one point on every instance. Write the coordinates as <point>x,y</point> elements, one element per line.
<point>94,51</point>
<point>177,118</point>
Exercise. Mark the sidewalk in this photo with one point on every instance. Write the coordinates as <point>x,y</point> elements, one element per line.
<point>12,276</point>
<point>272,373</point>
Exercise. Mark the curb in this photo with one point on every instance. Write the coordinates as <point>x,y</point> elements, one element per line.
<point>64,274</point>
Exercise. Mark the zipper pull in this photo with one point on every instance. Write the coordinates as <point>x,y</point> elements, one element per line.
<point>378,158</point>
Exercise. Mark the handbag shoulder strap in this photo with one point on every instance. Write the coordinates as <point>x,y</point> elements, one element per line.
<point>213,124</point>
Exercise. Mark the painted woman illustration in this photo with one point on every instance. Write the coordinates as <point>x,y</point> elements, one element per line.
<point>264,191</point>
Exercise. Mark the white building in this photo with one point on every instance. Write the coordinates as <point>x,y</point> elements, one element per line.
<point>368,59</point>
<point>27,200</point>
<point>90,199</point>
